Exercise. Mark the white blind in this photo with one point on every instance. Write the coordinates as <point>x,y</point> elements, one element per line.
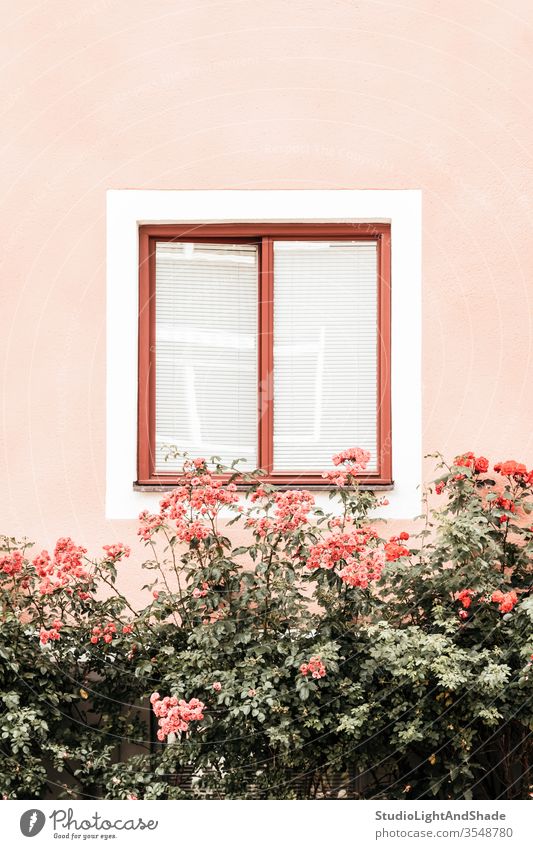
<point>325,352</point>
<point>206,353</point>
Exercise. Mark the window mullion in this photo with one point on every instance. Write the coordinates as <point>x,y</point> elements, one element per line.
<point>266,355</point>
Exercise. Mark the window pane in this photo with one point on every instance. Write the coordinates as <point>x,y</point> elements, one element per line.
<point>325,352</point>
<point>206,358</point>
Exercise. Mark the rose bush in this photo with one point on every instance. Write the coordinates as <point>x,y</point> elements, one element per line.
<point>322,658</point>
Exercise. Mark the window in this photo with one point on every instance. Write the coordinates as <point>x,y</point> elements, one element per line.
<point>269,342</point>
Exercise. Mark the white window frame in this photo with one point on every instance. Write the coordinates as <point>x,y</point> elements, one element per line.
<point>129,208</point>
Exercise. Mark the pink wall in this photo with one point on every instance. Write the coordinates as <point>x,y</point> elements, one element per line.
<point>306,94</point>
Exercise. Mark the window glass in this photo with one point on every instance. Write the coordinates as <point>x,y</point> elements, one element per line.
<point>206,351</point>
<point>325,351</point>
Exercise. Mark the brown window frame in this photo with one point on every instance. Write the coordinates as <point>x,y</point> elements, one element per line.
<point>263,235</point>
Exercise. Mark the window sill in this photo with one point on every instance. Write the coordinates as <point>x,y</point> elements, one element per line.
<point>314,487</point>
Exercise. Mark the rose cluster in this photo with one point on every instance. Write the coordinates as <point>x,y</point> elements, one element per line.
<point>107,632</point>
<point>354,462</point>
<point>475,465</point>
<point>505,601</point>
<point>470,461</point>
<point>314,667</point>
<point>198,492</point>
<point>12,563</point>
<point>201,592</point>
<point>352,553</point>
<point>291,511</point>
<point>464,597</point>
<point>367,567</point>
<point>149,524</point>
<point>117,551</point>
<point>394,548</point>
<point>175,715</point>
<point>52,633</point>
<point>339,546</point>
<point>64,569</point>
<point>517,471</point>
